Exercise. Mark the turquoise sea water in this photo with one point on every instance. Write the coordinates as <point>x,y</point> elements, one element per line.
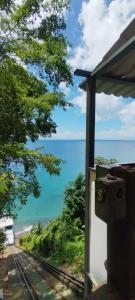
<point>51,201</point>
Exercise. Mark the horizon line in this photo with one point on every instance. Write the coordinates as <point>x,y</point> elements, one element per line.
<point>71,139</point>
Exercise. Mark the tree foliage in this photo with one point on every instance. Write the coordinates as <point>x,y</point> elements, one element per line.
<point>99,160</point>
<point>74,200</point>
<point>2,241</point>
<point>62,240</point>
<point>33,52</point>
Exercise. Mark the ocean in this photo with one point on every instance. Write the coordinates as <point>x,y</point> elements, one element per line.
<point>51,201</point>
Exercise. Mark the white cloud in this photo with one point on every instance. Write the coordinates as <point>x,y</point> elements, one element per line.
<point>107,106</point>
<point>101,27</point>
<point>125,112</point>
<point>80,101</point>
<point>65,89</point>
<point>125,132</point>
<point>68,134</point>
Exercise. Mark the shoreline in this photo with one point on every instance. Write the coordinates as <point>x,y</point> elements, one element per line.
<point>20,229</point>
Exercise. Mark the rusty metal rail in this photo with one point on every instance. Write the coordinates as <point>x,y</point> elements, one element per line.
<point>77,283</point>
<point>24,278</point>
<point>61,273</point>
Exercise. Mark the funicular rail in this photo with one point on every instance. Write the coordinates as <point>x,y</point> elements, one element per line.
<point>77,283</point>
<point>25,280</point>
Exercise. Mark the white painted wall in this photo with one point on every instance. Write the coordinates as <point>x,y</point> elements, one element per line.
<point>98,252</point>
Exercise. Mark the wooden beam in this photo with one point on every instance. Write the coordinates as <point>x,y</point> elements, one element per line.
<point>90,142</point>
<point>89,163</point>
<point>82,73</point>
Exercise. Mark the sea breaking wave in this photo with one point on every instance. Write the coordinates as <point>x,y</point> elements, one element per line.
<point>24,229</point>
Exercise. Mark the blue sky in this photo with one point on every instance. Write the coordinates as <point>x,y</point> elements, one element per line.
<point>92,28</point>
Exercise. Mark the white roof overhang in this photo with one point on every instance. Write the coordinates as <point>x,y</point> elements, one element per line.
<point>115,74</point>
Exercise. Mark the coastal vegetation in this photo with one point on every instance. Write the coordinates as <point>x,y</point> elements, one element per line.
<point>2,241</point>
<point>61,242</point>
<point>100,160</point>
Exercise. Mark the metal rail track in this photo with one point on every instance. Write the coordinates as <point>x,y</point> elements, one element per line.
<point>62,274</point>
<point>24,278</point>
<point>56,271</point>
